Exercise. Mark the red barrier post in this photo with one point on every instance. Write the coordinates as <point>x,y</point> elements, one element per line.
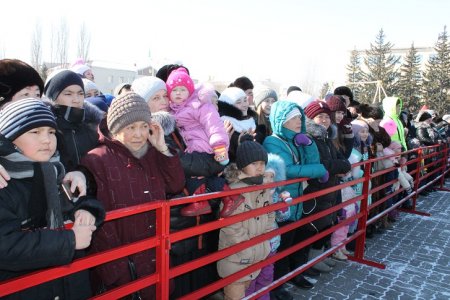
<point>444,167</point>
<point>162,251</point>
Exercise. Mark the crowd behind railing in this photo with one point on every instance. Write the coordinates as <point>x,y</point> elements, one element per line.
<point>262,190</point>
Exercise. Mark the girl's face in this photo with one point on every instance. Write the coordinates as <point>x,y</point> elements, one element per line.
<point>249,94</point>
<point>27,92</point>
<point>266,105</point>
<point>268,177</point>
<point>89,75</point>
<point>133,136</point>
<point>38,144</point>
<point>159,101</point>
<point>363,134</point>
<point>338,115</point>
<point>179,94</point>
<point>72,96</point>
<point>242,105</point>
<point>255,168</point>
<point>322,119</point>
<point>294,124</point>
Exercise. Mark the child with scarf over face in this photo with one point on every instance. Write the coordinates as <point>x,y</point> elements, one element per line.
<point>32,209</point>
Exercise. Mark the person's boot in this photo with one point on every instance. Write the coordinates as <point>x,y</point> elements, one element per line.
<point>339,255</point>
<point>311,272</point>
<point>301,282</point>
<point>230,203</point>
<point>280,293</point>
<point>330,262</point>
<point>196,209</point>
<point>320,266</point>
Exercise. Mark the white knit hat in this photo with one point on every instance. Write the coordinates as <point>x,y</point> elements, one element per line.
<point>147,86</point>
<point>231,95</point>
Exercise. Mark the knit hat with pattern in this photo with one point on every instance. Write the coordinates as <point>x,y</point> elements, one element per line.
<point>336,103</point>
<point>316,107</point>
<point>126,110</point>
<point>20,116</point>
<point>180,77</point>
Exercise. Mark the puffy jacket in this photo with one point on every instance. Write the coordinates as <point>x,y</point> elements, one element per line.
<point>426,134</point>
<point>301,161</point>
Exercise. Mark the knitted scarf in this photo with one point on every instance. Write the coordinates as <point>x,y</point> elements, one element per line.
<point>45,206</point>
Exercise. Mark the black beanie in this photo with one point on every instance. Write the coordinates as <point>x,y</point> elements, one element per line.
<point>249,152</point>
<point>164,72</point>
<point>20,116</point>
<point>344,91</point>
<point>16,75</point>
<point>60,81</point>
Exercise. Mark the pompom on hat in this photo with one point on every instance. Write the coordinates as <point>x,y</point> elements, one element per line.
<point>180,77</point>
<point>126,110</point>
<point>16,75</point>
<point>20,116</point>
<point>315,108</point>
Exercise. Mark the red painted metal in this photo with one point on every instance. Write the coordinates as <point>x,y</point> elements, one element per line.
<point>163,239</point>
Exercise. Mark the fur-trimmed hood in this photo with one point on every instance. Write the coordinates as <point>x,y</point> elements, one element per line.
<point>319,131</point>
<point>226,109</point>
<point>166,120</point>
<point>232,173</point>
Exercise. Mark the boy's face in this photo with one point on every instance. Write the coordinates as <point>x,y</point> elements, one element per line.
<point>38,144</point>
<point>72,96</point>
<point>255,168</point>
<point>268,177</point>
<point>179,94</point>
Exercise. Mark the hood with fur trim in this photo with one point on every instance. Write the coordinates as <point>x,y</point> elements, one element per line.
<point>166,120</point>
<point>226,109</point>
<point>319,131</point>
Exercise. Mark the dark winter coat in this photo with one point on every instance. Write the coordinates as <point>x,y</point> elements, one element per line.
<point>426,134</point>
<point>77,139</point>
<point>335,163</point>
<point>226,109</point>
<point>25,250</point>
<point>122,181</point>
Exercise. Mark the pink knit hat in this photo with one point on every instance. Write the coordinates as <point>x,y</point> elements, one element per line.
<point>179,77</point>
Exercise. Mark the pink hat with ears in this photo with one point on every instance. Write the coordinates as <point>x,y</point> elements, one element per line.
<point>180,77</point>
<point>389,125</point>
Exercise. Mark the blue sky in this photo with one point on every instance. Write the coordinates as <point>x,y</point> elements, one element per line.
<point>301,42</point>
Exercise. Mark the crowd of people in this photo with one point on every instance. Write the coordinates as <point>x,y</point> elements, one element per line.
<point>68,153</point>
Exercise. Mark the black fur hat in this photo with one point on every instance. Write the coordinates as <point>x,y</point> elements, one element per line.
<point>16,75</point>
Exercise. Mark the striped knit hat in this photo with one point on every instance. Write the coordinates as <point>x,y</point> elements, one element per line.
<point>126,110</point>
<point>18,117</point>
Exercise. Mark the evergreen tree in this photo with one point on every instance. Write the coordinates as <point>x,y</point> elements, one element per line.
<point>437,76</point>
<point>355,74</point>
<point>381,65</point>
<point>324,90</point>
<point>410,81</point>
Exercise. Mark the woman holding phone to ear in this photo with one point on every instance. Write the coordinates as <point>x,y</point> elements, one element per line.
<point>132,165</point>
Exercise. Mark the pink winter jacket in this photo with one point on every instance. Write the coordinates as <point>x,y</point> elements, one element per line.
<point>199,124</point>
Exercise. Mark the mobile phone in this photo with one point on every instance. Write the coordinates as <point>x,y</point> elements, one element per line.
<point>66,189</point>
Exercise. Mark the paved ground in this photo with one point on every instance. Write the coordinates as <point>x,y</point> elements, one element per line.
<point>416,254</point>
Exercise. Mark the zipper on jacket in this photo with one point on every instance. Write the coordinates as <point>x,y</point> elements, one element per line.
<point>75,146</point>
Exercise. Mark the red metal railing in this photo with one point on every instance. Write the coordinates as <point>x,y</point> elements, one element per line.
<point>438,157</point>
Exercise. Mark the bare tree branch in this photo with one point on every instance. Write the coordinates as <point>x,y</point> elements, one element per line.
<point>84,43</point>
<point>36,46</point>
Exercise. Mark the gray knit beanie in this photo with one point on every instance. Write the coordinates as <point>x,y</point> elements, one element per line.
<point>263,94</point>
<point>125,110</point>
<point>147,86</point>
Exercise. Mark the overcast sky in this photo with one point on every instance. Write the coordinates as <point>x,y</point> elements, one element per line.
<point>289,41</point>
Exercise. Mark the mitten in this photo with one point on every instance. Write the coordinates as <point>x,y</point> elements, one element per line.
<point>324,178</point>
<point>345,126</point>
<point>302,139</point>
<point>286,197</point>
<point>221,155</point>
